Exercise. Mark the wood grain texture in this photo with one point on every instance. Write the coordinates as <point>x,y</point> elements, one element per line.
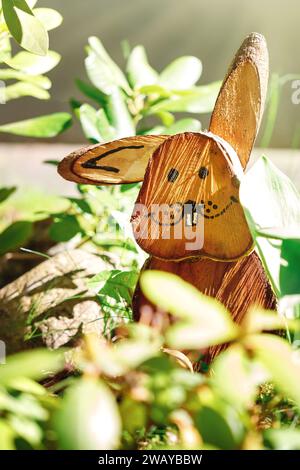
<point>207,183</point>
<point>238,285</point>
<point>239,106</point>
<point>117,162</point>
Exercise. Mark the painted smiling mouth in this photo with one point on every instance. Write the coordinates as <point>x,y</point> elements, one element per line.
<point>189,211</point>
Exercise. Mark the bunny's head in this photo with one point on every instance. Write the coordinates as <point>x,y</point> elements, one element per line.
<point>190,180</point>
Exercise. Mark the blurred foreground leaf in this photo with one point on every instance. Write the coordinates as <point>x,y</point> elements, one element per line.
<point>89,417</point>
<point>202,321</point>
<point>41,127</point>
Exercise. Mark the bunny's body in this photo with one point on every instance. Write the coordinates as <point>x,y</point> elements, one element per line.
<point>188,216</point>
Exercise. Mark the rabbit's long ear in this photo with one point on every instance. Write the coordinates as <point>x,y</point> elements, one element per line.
<point>239,106</point>
<point>116,162</point>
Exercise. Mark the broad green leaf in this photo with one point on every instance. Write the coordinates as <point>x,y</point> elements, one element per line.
<point>182,73</point>
<point>92,92</point>
<point>282,439</point>
<point>37,364</point>
<point>14,236</point>
<point>118,114</point>
<point>289,275</point>
<point>50,18</point>
<point>5,49</point>
<point>89,122</point>
<point>64,228</point>
<point>42,127</point>
<point>21,89</point>
<point>33,64</point>
<point>258,320</point>
<point>235,377</point>
<point>7,436</point>
<point>166,118</point>
<point>26,29</point>
<point>37,80</point>
<point>5,193</point>
<point>106,130</point>
<point>203,321</point>
<point>102,70</point>
<point>279,360</point>
<point>139,71</point>
<point>272,208</point>
<point>27,429</point>
<point>201,101</point>
<point>26,385</point>
<point>153,90</point>
<point>89,417</point>
<point>116,284</point>
<point>220,425</point>
<point>184,125</point>
<point>31,204</point>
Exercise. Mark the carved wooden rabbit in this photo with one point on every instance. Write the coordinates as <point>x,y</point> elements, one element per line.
<point>191,181</point>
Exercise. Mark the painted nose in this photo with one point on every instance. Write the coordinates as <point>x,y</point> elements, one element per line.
<point>191,212</point>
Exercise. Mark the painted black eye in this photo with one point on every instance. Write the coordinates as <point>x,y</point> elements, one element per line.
<point>173,175</point>
<point>203,172</point>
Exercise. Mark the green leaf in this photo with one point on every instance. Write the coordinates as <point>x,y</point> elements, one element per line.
<point>89,418</point>
<point>272,208</point>
<point>5,193</point>
<point>37,365</point>
<point>106,130</point>
<point>202,100</point>
<point>289,277</point>
<point>258,320</point>
<point>166,118</point>
<point>181,74</point>
<point>155,90</point>
<point>220,425</point>
<point>64,228</point>
<point>95,124</point>
<point>21,89</point>
<point>5,49</point>
<point>41,127</point>
<point>139,71</point>
<point>282,439</point>
<point>102,70</point>
<point>50,18</point>
<point>27,429</point>
<point>184,125</point>
<point>7,436</point>
<point>235,377</point>
<point>116,284</point>
<point>26,29</point>
<point>203,321</point>
<point>89,122</point>
<point>279,360</point>
<point>92,92</point>
<point>38,80</point>
<point>33,64</point>
<point>24,384</point>
<point>118,114</point>
<point>14,236</point>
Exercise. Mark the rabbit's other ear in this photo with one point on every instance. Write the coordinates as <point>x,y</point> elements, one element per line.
<point>240,104</point>
<point>116,162</point>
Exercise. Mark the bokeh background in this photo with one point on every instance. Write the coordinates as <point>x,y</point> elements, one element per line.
<point>209,29</point>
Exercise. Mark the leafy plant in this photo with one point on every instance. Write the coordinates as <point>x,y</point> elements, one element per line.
<point>127,100</point>
<point>24,71</point>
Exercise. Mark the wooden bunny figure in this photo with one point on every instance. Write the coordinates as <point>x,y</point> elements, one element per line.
<point>187,215</point>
